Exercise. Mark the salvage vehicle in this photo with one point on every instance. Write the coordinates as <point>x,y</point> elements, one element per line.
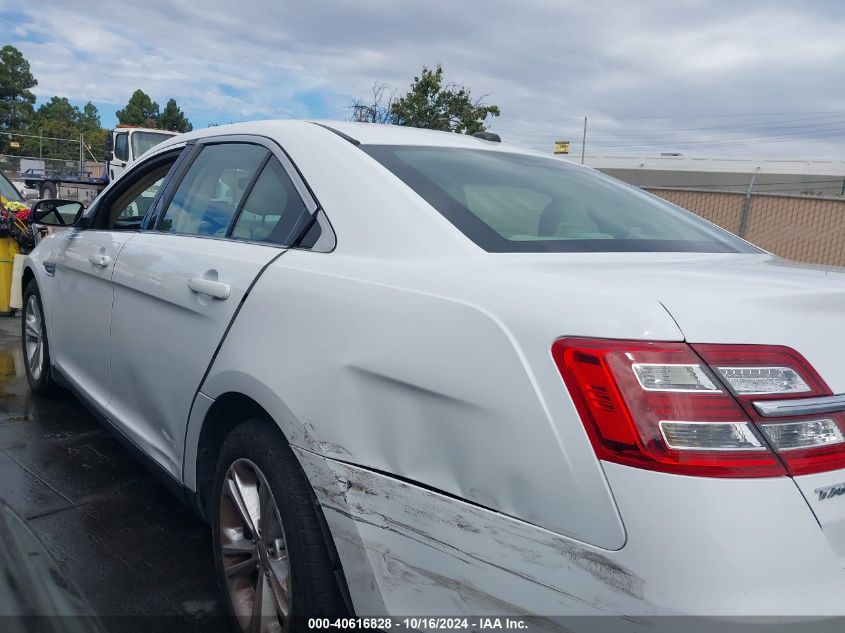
<point>124,144</point>
<point>406,373</point>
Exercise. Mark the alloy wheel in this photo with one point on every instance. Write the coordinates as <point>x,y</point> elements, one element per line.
<point>254,550</point>
<point>34,337</point>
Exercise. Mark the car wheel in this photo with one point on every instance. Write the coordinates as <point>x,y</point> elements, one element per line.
<point>273,564</point>
<point>36,348</point>
<point>48,190</point>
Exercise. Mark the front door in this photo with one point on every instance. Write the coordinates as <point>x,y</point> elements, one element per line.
<point>84,264</point>
<point>179,284</point>
<point>82,308</point>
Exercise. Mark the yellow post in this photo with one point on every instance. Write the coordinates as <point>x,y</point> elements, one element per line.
<point>8,249</point>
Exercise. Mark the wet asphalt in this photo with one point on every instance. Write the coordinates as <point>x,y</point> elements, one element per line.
<point>140,557</point>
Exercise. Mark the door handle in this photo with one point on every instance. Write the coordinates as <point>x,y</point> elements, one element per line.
<point>99,260</point>
<point>216,289</point>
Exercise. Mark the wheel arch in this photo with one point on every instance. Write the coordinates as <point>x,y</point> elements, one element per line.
<point>228,411</point>
<point>27,276</point>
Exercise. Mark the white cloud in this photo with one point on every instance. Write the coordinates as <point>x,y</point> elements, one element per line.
<point>547,63</point>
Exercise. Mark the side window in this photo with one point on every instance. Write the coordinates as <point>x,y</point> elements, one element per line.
<point>273,211</point>
<point>126,207</point>
<point>121,146</point>
<point>207,197</point>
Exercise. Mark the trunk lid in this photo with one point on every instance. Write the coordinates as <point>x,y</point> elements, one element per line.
<point>752,299</point>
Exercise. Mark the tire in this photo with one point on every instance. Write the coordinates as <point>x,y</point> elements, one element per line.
<point>36,347</point>
<point>48,190</point>
<point>256,464</point>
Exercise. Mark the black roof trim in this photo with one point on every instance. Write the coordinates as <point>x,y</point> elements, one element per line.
<point>345,137</point>
<point>488,136</point>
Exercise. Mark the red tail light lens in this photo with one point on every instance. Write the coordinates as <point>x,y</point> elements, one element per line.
<point>805,444</point>
<point>689,410</point>
<point>657,406</point>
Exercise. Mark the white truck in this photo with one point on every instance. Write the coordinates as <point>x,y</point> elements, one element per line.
<point>124,144</point>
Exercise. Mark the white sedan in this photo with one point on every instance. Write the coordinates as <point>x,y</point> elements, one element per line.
<point>413,373</point>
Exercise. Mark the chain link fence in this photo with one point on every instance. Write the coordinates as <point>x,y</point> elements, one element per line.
<point>13,166</point>
<point>37,156</point>
<point>45,154</point>
<point>804,228</point>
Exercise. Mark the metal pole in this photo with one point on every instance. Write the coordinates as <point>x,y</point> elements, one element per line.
<point>40,144</point>
<point>746,207</point>
<point>81,154</point>
<point>584,141</point>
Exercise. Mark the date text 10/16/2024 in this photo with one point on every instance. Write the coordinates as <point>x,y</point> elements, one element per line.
<point>421,623</point>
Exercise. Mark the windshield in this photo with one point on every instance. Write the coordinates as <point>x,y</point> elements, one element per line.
<point>517,203</point>
<point>142,141</point>
<point>8,191</point>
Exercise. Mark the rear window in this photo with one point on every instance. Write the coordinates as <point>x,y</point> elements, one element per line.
<point>516,203</point>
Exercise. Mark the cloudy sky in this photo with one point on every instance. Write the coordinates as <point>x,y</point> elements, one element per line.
<point>701,77</point>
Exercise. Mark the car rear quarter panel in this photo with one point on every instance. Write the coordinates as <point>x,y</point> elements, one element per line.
<point>431,372</point>
<point>425,387</point>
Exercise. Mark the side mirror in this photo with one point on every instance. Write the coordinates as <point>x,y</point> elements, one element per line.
<point>109,142</point>
<point>109,156</point>
<point>54,212</point>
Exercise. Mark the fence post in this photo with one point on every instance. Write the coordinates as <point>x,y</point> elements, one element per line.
<point>746,207</point>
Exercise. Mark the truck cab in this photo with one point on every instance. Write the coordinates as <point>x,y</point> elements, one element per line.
<point>125,143</point>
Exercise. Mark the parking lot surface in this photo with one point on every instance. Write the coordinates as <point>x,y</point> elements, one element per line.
<point>141,558</point>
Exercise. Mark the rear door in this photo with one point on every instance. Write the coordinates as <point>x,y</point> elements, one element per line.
<point>176,290</point>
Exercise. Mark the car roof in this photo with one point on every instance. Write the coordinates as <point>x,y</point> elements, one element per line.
<point>382,134</point>
<point>363,133</point>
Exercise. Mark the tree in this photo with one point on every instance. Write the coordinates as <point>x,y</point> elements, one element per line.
<point>432,104</point>
<point>140,110</point>
<point>57,112</point>
<point>57,127</point>
<point>376,110</point>
<point>16,98</point>
<point>90,118</point>
<point>56,119</point>
<point>93,133</point>
<point>172,118</point>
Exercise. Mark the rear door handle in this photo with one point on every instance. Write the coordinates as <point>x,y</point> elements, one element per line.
<point>216,289</point>
<point>99,260</point>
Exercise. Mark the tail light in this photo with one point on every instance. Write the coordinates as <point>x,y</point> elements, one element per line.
<point>757,373</point>
<point>688,410</point>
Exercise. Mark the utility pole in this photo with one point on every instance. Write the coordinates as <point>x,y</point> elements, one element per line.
<point>81,154</point>
<point>584,141</point>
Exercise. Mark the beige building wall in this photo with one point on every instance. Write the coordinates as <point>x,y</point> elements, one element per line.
<point>803,228</point>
